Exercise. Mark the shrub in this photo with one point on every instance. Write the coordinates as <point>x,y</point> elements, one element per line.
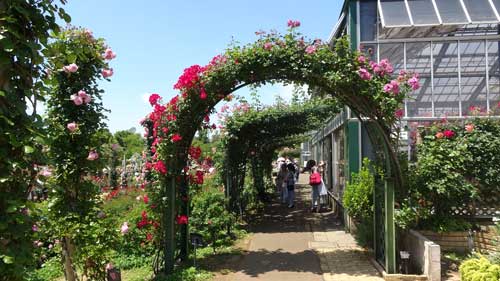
<point>456,170</point>
<point>479,269</point>
<point>457,167</point>
<point>358,195</point>
<point>210,218</point>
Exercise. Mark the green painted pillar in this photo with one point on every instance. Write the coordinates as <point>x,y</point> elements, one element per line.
<point>353,147</point>
<point>390,235</point>
<point>353,24</point>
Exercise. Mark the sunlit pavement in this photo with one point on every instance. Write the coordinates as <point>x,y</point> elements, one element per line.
<point>295,244</point>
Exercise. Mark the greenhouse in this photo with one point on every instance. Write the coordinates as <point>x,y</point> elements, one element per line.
<point>453,45</point>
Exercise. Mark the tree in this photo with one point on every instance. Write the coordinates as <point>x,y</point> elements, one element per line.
<point>131,142</point>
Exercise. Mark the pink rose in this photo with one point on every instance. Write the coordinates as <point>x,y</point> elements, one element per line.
<point>310,49</point>
<point>469,127</point>
<point>109,266</point>
<point>93,156</point>
<point>364,74</point>
<point>361,59</point>
<point>293,23</point>
<point>84,96</point>
<point>268,45</point>
<point>124,228</point>
<point>414,83</point>
<point>386,66</point>
<point>71,68</point>
<point>89,33</point>
<point>107,73</point>
<point>399,113</point>
<point>76,99</point>
<point>72,126</point>
<point>439,135</point>
<point>392,87</point>
<point>109,54</point>
<point>46,172</point>
<point>34,228</point>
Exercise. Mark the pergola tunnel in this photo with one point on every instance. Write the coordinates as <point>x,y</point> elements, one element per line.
<point>369,89</point>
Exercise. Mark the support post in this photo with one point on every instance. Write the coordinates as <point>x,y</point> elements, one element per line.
<point>169,222</point>
<point>390,235</point>
<point>184,247</point>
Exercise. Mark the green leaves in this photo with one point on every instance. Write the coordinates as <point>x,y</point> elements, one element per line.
<point>28,149</point>
<point>7,259</point>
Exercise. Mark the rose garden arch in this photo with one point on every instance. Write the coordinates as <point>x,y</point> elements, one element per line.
<point>344,74</point>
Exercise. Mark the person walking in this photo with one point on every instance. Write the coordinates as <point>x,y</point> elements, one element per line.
<point>290,184</point>
<point>315,182</point>
<point>280,182</point>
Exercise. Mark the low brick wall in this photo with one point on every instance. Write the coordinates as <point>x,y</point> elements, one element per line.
<point>483,241</point>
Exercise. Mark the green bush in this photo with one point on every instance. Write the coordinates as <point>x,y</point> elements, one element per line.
<point>210,218</point>
<point>358,194</point>
<point>479,269</point>
<point>50,270</point>
<point>457,170</point>
<point>457,166</point>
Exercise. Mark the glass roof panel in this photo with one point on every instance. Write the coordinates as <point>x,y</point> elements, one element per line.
<point>394,13</point>
<point>423,12</point>
<point>480,10</point>
<point>451,11</point>
<point>497,4</point>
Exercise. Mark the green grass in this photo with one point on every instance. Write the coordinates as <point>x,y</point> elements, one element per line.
<point>137,274</point>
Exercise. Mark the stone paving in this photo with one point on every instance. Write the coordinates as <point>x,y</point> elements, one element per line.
<point>340,256</point>
<point>295,244</point>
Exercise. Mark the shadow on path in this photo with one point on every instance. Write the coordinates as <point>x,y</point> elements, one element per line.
<point>279,244</point>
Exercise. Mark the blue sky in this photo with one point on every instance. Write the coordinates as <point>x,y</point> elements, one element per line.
<point>155,40</point>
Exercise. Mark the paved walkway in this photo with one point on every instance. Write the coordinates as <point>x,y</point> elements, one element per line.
<point>295,244</point>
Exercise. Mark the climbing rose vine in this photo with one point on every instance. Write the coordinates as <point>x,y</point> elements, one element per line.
<point>75,115</point>
<point>371,89</point>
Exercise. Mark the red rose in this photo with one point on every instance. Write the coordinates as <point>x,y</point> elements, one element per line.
<point>182,219</point>
<point>153,99</point>
<point>160,167</point>
<point>449,134</point>
<point>176,138</point>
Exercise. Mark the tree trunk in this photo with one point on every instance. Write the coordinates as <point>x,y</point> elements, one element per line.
<point>67,253</point>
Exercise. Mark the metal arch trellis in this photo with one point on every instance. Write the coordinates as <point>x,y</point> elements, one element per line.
<point>290,59</point>
<point>244,138</point>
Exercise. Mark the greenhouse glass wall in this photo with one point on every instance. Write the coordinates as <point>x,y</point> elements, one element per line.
<point>452,44</point>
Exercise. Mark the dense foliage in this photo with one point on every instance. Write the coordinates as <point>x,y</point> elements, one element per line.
<point>457,167</point>
<point>253,133</point>
<point>479,268</point>
<point>358,194</point>
<point>75,114</point>
<point>24,31</point>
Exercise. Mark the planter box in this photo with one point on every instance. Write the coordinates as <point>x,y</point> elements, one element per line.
<point>425,255</point>
<point>459,241</point>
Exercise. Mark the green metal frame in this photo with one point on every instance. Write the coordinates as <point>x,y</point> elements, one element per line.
<point>352,154</point>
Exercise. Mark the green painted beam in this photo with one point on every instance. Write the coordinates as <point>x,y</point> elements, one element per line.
<point>390,235</point>
<point>353,24</point>
<point>353,146</point>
